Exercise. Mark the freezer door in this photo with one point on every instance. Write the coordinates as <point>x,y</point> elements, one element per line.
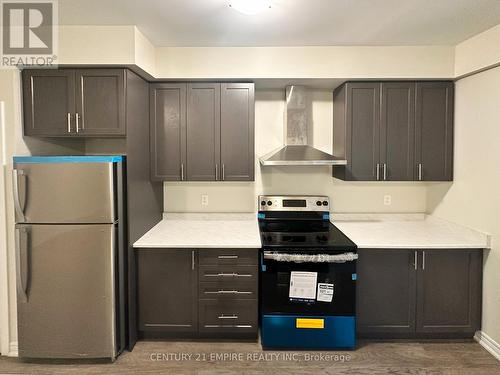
<point>64,193</point>
<point>65,290</point>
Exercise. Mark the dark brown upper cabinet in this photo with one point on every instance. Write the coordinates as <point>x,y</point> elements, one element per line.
<point>394,131</point>
<point>434,131</point>
<point>356,131</point>
<point>74,102</point>
<point>202,131</point>
<point>49,102</point>
<point>100,101</point>
<point>397,129</point>
<point>168,131</point>
<point>237,132</point>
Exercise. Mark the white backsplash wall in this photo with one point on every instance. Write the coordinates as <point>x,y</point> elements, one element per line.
<point>242,196</point>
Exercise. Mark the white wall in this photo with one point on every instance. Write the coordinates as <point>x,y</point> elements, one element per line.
<point>242,197</point>
<point>474,197</point>
<point>478,52</point>
<point>305,62</point>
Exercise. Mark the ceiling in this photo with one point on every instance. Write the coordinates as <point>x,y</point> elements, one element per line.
<point>291,22</point>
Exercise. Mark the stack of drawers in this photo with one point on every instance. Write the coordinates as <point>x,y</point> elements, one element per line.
<point>228,291</point>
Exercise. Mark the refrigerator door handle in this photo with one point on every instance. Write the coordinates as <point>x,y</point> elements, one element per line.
<point>17,200</point>
<point>22,264</point>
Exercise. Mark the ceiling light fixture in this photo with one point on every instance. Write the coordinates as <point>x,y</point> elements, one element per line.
<point>249,7</point>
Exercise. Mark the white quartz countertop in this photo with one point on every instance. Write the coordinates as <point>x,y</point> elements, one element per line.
<point>213,230</point>
<point>408,231</point>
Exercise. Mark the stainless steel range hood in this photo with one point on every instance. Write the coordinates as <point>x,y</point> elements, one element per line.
<point>296,150</point>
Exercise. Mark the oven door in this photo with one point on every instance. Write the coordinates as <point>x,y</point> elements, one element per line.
<point>276,297</point>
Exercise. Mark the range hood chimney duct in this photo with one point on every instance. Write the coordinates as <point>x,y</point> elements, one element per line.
<point>297,150</point>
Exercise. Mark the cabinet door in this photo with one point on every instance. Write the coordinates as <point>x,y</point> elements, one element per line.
<point>49,102</point>
<point>167,290</point>
<point>386,292</point>
<point>237,131</point>
<point>100,104</point>
<point>203,131</point>
<point>168,131</point>
<point>397,131</point>
<point>449,291</point>
<point>434,131</point>
<point>363,128</point>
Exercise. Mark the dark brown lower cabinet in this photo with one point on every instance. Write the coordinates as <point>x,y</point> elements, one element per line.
<point>386,298</point>
<point>204,293</point>
<point>167,292</point>
<point>419,293</point>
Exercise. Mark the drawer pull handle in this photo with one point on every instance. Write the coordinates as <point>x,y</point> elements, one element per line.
<point>228,257</point>
<point>228,326</point>
<point>228,316</point>
<point>228,292</point>
<point>233,274</point>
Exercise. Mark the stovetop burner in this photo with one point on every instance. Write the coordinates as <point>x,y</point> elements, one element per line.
<point>306,228</point>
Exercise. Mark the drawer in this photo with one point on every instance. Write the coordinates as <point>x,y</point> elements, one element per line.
<point>228,256</point>
<point>228,289</point>
<point>227,273</point>
<point>228,316</point>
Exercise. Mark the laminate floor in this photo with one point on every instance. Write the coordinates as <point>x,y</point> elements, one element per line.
<point>207,358</point>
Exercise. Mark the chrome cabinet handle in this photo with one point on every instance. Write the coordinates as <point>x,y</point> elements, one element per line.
<point>69,122</point>
<point>32,101</point>
<point>223,173</point>
<point>182,171</point>
<point>420,174</point>
<point>192,259</point>
<point>83,104</point>
<point>415,260</point>
<point>17,200</point>
<point>423,260</point>
<point>378,171</point>
<point>77,120</point>
<point>228,292</point>
<point>222,274</point>
<point>216,172</point>
<point>21,248</point>
<point>385,171</point>
<point>228,316</point>
<point>227,257</point>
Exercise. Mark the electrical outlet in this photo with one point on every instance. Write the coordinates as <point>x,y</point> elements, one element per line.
<point>387,200</point>
<point>204,199</point>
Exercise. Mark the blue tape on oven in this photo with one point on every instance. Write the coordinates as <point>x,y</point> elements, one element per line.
<point>261,216</point>
<point>354,276</point>
<point>326,216</point>
<point>262,265</point>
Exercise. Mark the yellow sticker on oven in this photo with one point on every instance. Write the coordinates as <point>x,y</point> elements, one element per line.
<point>309,323</point>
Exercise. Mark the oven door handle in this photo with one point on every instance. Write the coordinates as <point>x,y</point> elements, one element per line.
<point>311,258</point>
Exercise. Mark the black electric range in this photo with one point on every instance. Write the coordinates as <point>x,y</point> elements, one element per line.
<point>308,275</point>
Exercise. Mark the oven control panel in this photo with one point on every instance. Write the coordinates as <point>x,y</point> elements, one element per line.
<point>293,203</point>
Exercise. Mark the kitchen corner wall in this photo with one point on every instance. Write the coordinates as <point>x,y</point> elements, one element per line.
<point>242,196</point>
<point>474,197</point>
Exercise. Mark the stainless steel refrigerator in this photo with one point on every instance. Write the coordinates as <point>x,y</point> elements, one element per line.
<point>70,256</point>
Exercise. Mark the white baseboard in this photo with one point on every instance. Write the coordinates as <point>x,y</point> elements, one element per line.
<point>13,349</point>
<point>488,343</point>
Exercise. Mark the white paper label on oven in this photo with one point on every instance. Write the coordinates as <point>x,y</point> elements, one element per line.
<point>325,292</point>
<point>303,285</point>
